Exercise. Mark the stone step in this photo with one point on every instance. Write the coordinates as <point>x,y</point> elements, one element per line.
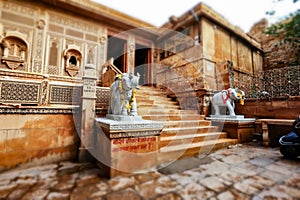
<point>172,117</point>
<point>149,88</point>
<point>149,105</point>
<point>190,138</point>
<point>160,103</point>
<point>153,94</point>
<point>172,153</point>
<point>162,99</point>
<point>185,132</point>
<point>165,111</point>
<point>188,130</point>
<point>144,101</point>
<point>186,123</point>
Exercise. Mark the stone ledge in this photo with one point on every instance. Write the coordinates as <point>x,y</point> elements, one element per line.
<point>38,110</point>
<point>124,118</point>
<point>229,119</point>
<point>114,126</point>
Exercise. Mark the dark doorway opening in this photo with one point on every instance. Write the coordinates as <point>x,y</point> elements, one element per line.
<point>116,49</point>
<point>142,60</point>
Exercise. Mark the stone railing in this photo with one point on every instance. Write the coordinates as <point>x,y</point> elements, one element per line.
<point>109,72</point>
<point>35,92</point>
<point>275,83</point>
<point>102,101</point>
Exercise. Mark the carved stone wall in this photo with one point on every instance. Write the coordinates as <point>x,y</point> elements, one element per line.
<point>43,50</point>
<point>218,45</point>
<point>42,35</point>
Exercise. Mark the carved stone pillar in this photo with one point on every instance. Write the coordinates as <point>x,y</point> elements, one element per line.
<point>39,46</point>
<point>88,113</point>
<point>102,53</point>
<point>130,54</point>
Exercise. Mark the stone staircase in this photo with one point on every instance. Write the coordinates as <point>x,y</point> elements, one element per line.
<point>185,132</point>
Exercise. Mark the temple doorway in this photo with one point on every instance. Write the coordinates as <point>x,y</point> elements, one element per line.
<point>142,60</point>
<point>116,48</point>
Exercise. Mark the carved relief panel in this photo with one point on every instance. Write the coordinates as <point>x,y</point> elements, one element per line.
<point>91,53</point>
<point>53,58</point>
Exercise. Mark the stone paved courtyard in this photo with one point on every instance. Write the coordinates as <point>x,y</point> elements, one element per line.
<point>243,172</point>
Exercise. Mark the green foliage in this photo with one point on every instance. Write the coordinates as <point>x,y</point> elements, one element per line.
<point>288,30</point>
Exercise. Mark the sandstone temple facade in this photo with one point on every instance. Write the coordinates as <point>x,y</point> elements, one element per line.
<point>46,44</point>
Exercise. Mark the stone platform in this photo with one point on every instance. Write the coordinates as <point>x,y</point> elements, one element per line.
<point>127,145</point>
<point>237,126</point>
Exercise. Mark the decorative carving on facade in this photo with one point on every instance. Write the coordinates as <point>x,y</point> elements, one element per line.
<point>53,53</point>
<point>91,55</point>
<point>19,92</point>
<point>76,24</point>
<point>103,46</point>
<point>21,75</point>
<point>103,95</point>
<point>40,24</point>
<point>37,110</point>
<point>39,92</point>
<point>124,129</point>
<point>68,95</point>
<point>102,40</point>
<point>38,63</point>
<point>275,83</point>
<point>134,134</point>
<point>22,9</point>
<point>73,58</point>
<point>45,92</point>
<point>15,49</point>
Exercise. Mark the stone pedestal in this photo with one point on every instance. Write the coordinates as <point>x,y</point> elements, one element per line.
<point>237,126</point>
<point>127,144</point>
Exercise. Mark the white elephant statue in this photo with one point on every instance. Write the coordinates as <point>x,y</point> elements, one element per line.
<point>122,95</point>
<point>226,98</point>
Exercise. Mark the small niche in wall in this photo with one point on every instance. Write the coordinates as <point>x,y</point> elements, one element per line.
<point>73,57</point>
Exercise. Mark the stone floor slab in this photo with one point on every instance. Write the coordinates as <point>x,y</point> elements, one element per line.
<point>244,172</point>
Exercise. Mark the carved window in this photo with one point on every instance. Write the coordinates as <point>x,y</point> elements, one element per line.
<point>73,58</point>
<point>14,53</point>
<point>53,67</point>
<point>53,54</point>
